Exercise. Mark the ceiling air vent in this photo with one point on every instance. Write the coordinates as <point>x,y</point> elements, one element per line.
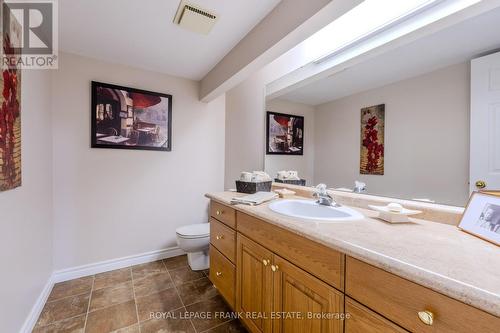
<point>194,18</point>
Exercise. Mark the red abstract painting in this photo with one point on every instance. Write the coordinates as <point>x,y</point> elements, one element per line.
<point>372,140</point>
<point>10,124</point>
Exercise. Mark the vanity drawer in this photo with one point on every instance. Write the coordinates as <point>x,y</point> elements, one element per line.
<point>223,213</point>
<point>222,275</point>
<point>223,238</point>
<point>401,301</point>
<point>363,320</point>
<point>321,261</point>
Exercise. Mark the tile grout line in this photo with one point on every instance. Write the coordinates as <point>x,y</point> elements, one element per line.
<point>208,299</point>
<point>150,319</point>
<point>107,306</point>
<point>116,286</point>
<point>178,294</point>
<point>205,276</point>
<point>62,298</point>
<point>135,299</point>
<point>88,306</point>
<point>205,331</point>
<point>60,320</point>
<point>93,288</point>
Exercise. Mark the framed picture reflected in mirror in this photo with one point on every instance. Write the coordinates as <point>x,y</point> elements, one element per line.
<point>284,134</point>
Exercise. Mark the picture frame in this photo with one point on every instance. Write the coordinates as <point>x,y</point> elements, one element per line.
<point>11,144</point>
<point>372,140</point>
<point>130,118</point>
<point>284,134</point>
<point>481,217</point>
<point>492,192</point>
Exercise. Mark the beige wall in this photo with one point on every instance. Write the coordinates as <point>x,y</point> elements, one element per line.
<point>245,121</point>
<point>303,164</point>
<point>245,118</point>
<point>26,212</point>
<point>426,138</point>
<point>112,203</point>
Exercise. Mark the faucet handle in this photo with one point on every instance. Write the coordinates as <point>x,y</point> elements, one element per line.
<point>321,188</point>
<point>359,186</point>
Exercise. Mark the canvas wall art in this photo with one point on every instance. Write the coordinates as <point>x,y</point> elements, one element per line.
<point>372,140</point>
<point>128,118</point>
<point>285,134</point>
<point>10,112</point>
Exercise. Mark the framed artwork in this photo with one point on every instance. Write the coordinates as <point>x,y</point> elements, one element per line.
<point>284,134</point>
<point>492,192</point>
<point>10,109</point>
<point>372,140</point>
<point>129,118</point>
<point>482,217</point>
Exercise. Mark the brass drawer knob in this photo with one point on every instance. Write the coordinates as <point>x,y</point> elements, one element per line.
<point>219,274</point>
<point>219,212</point>
<point>426,317</point>
<point>265,262</point>
<point>219,237</point>
<point>274,268</point>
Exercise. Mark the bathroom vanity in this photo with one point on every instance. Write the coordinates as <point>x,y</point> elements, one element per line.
<point>294,275</point>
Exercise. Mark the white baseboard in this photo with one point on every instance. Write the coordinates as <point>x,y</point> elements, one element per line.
<point>109,265</point>
<point>37,308</point>
<point>91,269</point>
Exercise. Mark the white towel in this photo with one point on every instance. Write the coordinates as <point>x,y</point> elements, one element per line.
<point>254,199</point>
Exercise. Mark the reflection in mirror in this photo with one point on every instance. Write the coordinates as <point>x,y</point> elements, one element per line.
<point>397,123</point>
<point>278,159</point>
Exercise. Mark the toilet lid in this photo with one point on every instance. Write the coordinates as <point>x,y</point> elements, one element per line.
<point>194,230</point>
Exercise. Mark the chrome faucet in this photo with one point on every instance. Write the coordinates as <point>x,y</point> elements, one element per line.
<point>323,197</point>
<point>359,187</point>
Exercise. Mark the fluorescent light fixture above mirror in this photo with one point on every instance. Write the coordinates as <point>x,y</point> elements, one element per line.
<point>369,18</point>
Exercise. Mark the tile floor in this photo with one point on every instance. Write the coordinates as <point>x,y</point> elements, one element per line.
<point>121,301</point>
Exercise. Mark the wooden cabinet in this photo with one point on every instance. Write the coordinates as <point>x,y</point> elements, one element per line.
<point>317,259</point>
<point>254,284</point>
<point>223,213</point>
<point>409,304</point>
<point>223,238</point>
<point>276,296</point>
<point>362,320</point>
<point>303,303</point>
<point>281,282</point>
<point>222,275</point>
<point>223,250</point>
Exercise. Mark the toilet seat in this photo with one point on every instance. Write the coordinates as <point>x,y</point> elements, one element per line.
<point>194,231</point>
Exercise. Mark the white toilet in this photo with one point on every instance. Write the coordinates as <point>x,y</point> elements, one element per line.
<point>194,239</point>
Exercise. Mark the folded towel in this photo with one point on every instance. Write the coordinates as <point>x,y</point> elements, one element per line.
<point>260,176</point>
<point>288,175</point>
<point>254,199</point>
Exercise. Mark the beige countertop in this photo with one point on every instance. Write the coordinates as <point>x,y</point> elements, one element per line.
<point>436,255</point>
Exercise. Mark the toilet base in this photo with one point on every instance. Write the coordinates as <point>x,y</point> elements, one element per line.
<point>198,260</point>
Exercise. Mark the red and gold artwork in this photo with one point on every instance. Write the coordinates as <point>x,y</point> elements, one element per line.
<point>10,124</point>
<point>372,140</point>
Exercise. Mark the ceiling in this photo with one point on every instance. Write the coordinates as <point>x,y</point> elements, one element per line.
<point>142,33</point>
<point>453,45</point>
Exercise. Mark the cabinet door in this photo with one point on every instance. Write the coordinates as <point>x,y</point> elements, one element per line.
<point>303,303</point>
<point>254,284</point>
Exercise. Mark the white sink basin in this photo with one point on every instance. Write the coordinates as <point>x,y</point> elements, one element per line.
<point>308,209</point>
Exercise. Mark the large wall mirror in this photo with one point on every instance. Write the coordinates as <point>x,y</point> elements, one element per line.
<point>399,121</point>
